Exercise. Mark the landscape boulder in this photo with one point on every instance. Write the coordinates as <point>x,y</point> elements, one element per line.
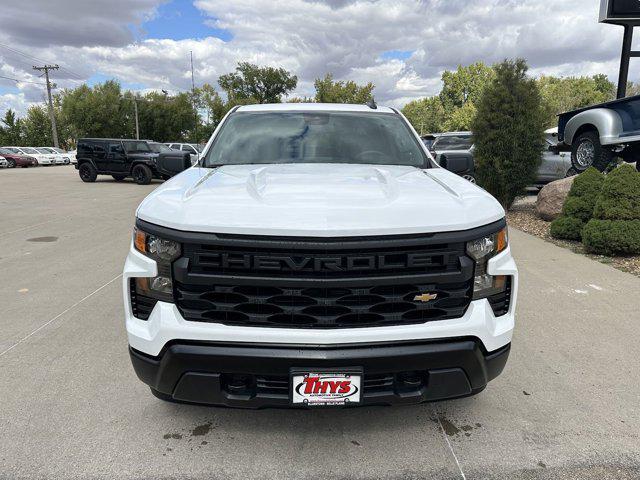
<point>552,197</point>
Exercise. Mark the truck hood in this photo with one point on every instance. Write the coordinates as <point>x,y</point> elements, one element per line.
<point>319,200</point>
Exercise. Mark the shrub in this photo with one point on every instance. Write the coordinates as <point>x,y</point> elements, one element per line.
<point>610,237</point>
<point>509,132</point>
<point>579,206</point>
<point>568,228</point>
<point>620,196</point>
<point>615,228</point>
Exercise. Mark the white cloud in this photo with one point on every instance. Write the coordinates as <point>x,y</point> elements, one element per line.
<point>310,38</point>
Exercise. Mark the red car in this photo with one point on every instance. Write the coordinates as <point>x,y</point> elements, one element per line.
<point>15,160</point>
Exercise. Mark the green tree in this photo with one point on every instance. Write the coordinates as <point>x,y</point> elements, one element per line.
<point>166,118</point>
<point>564,94</point>
<point>461,118</point>
<point>509,132</point>
<point>11,129</point>
<point>97,111</point>
<point>37,127</point>
<point>211,101</point>
<point>454,108</point>
<point>465,84</point>
<point>427,115</point>
<point>254,84</point>
<point>330,91</point>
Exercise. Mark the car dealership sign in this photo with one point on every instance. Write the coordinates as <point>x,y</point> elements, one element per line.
<point>620,11</point>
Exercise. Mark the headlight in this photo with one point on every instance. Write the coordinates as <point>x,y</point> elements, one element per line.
<point>164,252</point>
<point>158,248</point>
<point>481,250</point>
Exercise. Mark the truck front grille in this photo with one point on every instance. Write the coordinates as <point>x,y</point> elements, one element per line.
<point>318,307</point>
<point>323,283</point>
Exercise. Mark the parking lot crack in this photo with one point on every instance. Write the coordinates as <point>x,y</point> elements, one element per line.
<point>446,439</point>
<point>44,325</point>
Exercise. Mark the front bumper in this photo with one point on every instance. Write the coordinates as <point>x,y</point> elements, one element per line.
<point>396,373</point>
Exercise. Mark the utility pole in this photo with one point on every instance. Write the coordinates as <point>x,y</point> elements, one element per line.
<point>193,95</point>
<point>54,129</point>
<point>135,108</point>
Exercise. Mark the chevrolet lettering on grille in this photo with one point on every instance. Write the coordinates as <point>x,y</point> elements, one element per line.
<point>338,263</point>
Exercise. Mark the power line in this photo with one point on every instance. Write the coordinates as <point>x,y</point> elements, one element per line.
<point>39,60</point>
<point>21,81</point>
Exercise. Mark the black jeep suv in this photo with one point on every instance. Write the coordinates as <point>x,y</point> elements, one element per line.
<point>121,158</point>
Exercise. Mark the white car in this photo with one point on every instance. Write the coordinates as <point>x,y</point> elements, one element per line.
<point>72,156</point>
<point>3,162</point>
<point>193,148</point>
<point>318,256</point>
<point>62,157</point>
<point>42,158</point>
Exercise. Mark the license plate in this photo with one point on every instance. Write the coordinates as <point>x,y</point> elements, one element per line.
<point>326,388</point>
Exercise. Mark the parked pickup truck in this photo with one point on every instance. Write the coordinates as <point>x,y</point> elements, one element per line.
<point>598,133</point>
<point>318,256</point>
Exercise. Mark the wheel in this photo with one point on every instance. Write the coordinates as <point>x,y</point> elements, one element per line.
<point>119,178</point>
<point>572,172</point>
<point>141,174</point>
<point>162,396</point>
<point>11,163</point>
<point>470,177</point>
<point>87,173</point>
<point>586,151</point>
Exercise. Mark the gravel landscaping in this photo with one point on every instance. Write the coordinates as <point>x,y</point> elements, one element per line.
<point>523,217</point>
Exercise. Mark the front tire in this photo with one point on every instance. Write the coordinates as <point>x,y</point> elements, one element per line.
<point>141,174</point>
<point>88,173</point>
<point>586,151</point>
<point>11,164</point>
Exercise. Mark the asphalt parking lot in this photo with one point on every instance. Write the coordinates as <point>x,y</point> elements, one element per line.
<point>567,405</point>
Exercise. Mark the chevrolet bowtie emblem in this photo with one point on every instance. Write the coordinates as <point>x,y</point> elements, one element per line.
<point>425,297</point>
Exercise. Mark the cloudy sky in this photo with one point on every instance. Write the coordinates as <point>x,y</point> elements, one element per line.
<point>402,46</point>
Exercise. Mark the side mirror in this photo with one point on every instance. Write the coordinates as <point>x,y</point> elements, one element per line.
<point>171,164</point>
<point>459,164</point>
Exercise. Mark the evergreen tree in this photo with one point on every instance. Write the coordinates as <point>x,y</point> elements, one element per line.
<point>509,132</point>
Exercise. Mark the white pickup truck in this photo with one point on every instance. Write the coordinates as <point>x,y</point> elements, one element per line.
<point>318,256</point>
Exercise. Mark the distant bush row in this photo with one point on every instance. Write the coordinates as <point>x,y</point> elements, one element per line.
<point>603,212</point>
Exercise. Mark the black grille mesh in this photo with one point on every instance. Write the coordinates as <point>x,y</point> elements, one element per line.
<point>321,307</point>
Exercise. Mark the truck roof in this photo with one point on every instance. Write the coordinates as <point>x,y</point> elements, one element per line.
<point>298,107</point>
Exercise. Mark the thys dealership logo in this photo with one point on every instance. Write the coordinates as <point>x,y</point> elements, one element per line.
<point>333,387</point>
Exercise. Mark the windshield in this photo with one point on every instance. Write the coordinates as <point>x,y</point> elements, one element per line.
<point>315,137</point>
<point>43,150</point>
<point>453,142</point>
<point>136,147</point>
<point>6,151</point>
<point>29,150</point>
